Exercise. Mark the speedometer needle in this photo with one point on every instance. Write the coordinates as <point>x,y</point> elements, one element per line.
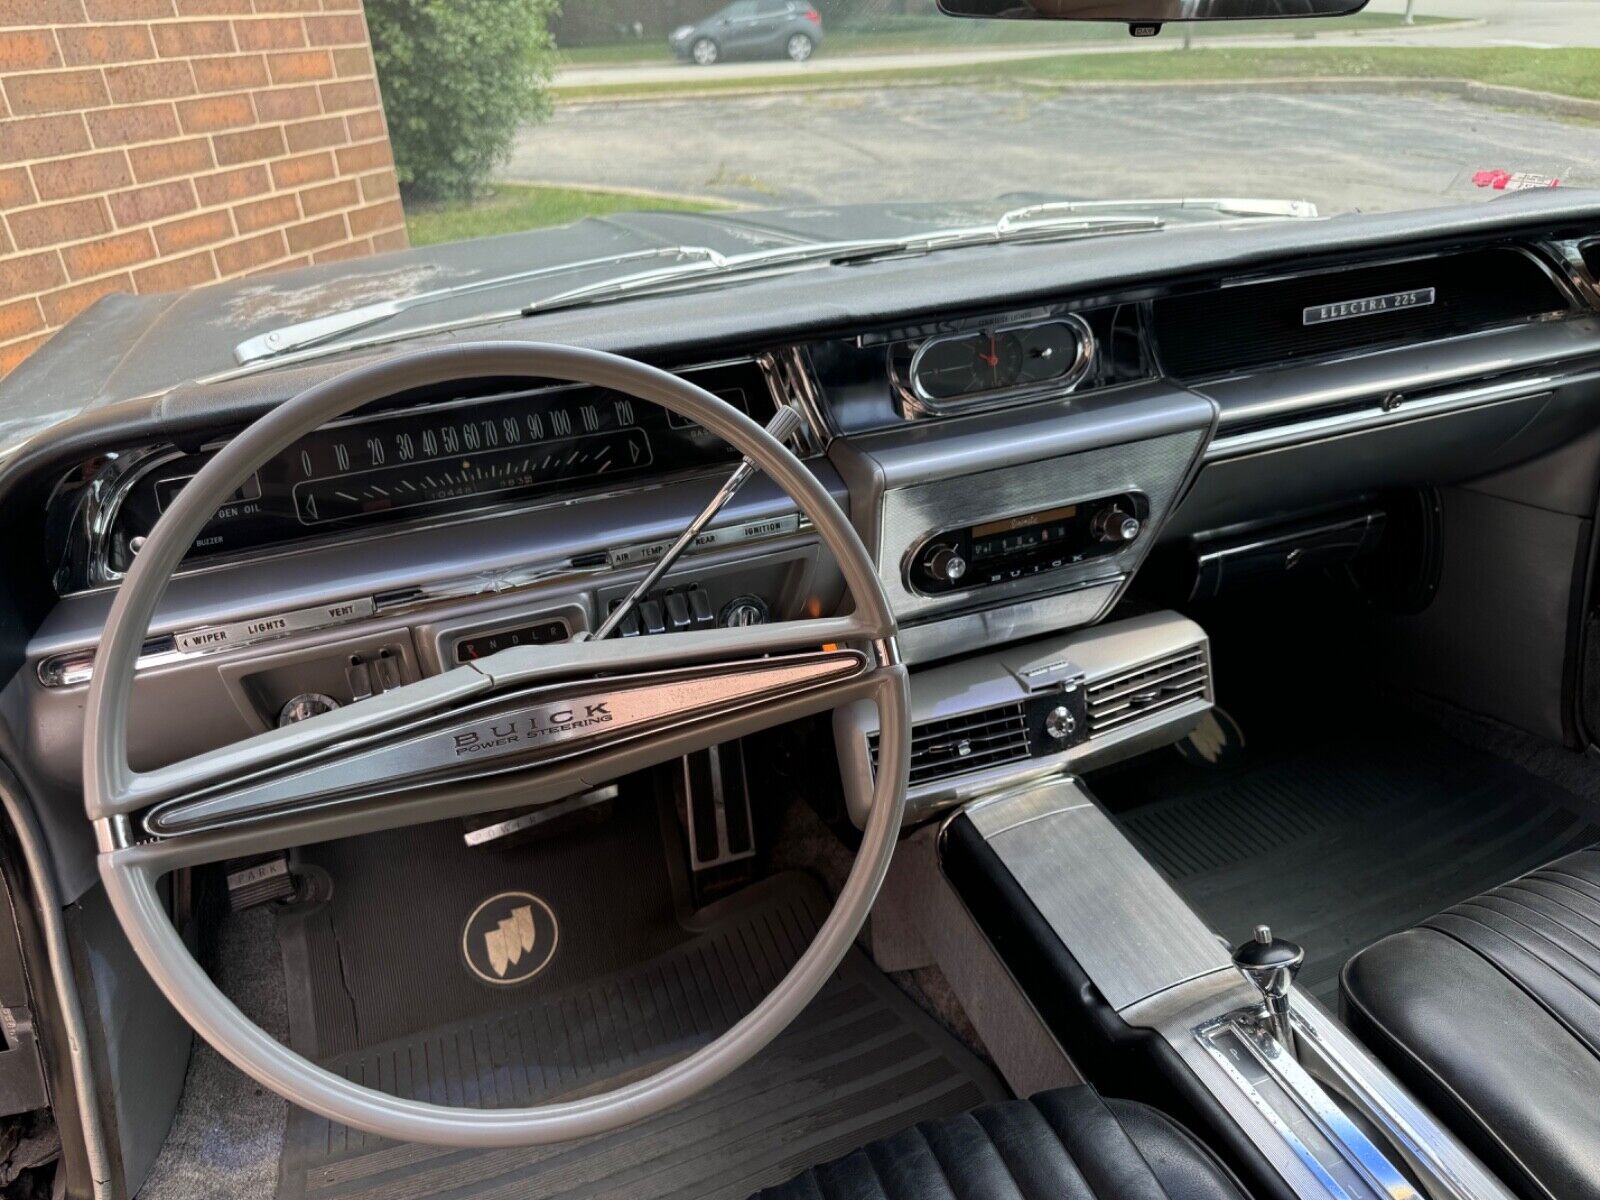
<point>784,422</point>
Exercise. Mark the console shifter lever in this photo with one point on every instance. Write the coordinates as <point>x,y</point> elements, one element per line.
<point>1270,964</point>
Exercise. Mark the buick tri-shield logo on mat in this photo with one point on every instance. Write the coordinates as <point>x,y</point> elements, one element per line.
<point>510,938</point>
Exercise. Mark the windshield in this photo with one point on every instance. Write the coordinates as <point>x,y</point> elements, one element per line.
<point>687,144</point>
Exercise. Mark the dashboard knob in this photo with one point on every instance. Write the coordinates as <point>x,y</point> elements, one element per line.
<point>307,704</point>
<point>946,565</point>
<point>1059,723</point>
<point>1114,525</point>
<point>744,610</point>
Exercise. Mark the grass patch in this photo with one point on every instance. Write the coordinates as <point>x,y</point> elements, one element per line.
<point>513,207</point>
<point>944,33</point>
<point>1567,72</point>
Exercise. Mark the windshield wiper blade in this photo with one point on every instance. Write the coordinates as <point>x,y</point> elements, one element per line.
<point>311,332</point>
<point>1233,206</point>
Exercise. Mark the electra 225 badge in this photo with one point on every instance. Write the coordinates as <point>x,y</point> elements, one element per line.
<point>1367,306</point>
<point>510,938</point>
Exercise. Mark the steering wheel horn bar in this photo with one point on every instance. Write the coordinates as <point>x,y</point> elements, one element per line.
<point>522,727</point>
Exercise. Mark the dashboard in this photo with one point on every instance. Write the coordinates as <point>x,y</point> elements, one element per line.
<point>1013,466</point>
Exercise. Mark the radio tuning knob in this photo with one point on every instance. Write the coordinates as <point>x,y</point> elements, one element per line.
<point>946,565</point>
<point>1114,525</point>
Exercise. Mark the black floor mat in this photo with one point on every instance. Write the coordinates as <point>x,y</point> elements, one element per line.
<point>1338,842</point>
<point>861,1062</point>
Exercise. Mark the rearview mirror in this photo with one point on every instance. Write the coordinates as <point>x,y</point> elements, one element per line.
<point>1148,13</point>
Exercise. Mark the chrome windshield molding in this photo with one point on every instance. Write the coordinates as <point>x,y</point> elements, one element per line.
<point>511,732</point>
<point>1378,413</point>
<point>1377,1177</point>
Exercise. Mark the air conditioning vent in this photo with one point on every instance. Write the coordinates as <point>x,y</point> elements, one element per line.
<point>940,749</point>
<point>1145,690</point>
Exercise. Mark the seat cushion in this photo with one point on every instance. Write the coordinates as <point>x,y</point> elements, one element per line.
<point>1490,1011</point>
<point>1061,1145</point>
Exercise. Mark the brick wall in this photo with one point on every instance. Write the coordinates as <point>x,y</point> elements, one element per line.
<point>151,145</point>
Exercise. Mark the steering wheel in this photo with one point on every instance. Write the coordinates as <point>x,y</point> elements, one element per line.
<point>589,711</point>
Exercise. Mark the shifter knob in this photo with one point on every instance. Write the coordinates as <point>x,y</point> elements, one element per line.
<point>1271,964</point>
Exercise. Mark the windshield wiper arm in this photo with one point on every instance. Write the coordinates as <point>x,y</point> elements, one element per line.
<point>302,334</point>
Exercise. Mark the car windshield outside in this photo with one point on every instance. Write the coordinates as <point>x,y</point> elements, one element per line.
<point>750,126</point>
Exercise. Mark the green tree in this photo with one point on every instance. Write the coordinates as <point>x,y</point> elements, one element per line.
<point>459,77</point>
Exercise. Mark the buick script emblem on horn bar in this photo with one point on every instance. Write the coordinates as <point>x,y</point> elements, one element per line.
<point>1367,306</point>
<point>510,938</point>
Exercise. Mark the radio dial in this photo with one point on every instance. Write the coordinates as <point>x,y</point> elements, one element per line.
<point>1114,525</point>
<point>945,565</point>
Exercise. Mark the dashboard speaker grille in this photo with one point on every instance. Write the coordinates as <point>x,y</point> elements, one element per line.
<point>1150,688</point>
<point>972,741</point>
<point>1234,328</point>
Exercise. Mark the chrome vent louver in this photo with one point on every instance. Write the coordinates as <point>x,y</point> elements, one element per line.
<point>1147,689</point>
<point>972,741</point>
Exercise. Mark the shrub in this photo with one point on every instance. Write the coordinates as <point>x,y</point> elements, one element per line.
<point>459,77</point>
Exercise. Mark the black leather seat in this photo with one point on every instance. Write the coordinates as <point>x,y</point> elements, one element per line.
<point>1062,1145</point>
<point>1490,1011</point>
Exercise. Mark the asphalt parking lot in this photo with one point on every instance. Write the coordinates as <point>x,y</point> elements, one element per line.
<point>1343,149</point>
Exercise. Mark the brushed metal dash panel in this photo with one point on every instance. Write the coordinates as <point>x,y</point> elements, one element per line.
<point>1123,923</point>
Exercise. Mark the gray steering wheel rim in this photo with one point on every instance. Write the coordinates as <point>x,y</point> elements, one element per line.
<point>132,885</point>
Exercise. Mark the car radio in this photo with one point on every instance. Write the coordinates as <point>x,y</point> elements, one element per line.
<point>1007,548</point>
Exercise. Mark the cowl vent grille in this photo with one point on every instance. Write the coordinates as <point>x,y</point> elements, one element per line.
<point>1146,690</point>
<point>973,741</point>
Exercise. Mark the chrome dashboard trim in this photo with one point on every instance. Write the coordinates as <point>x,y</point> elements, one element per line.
<point>1391,409</point>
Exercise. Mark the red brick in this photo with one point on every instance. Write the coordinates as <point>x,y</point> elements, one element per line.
<point>342,252</point>
<point>214,8</point>
<point>367,157</point>
<point>379,186</point>
<point>321,232</point>
<point>185,39</point>
<point>272,33</point>
<point>149,81</point>
<point>127,10</point>
<point>27,50</point>
<point>341,5</point>
<point>304,66</point>
<point>341,194</point>
<point>308,168</point>
<point>376,216</point>
<point>41,12</point>
<point>24,274</point>
<point>20,318</point>
<point>228,187</point>
<point>60,307</point>
<point>81,176</point>
<point>130,123</point>
<point>163,161</point>
<point>366,126</point>
<point>288,104</point>
<point>315,135</point>
<point>25,138</point>
<point>176,274</point>
<point>209,114</point>
<point>288,6</point>
<point>55,91</point>
<point>336,30</point>
<point>99,45</point>
<point>154,202</point>
<point>15,188</point>
<point>238,257</point>
<point>251,145</point>
<point>5,241</point>
<point>394,239</point>
<point>53,224</point>
<point>263,214</point>
<point>12,356</point>
<point>230,74</point>
<point>353,60</point>
<point>356,93</point>
<point>108,254</point>
<point>190,233</point>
